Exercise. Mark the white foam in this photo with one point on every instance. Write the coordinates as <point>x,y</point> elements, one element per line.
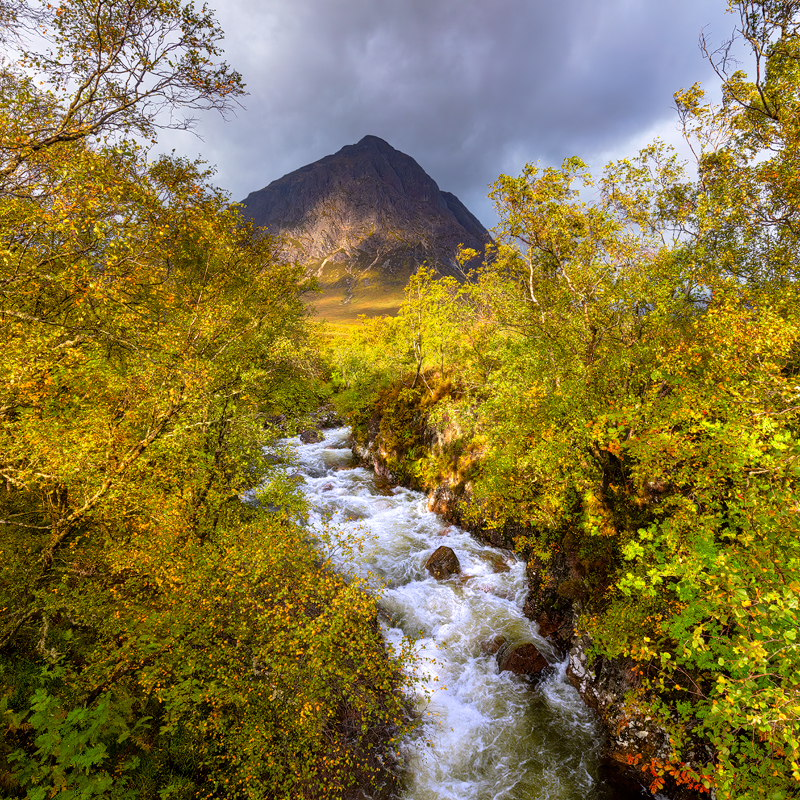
<point>487,735</point>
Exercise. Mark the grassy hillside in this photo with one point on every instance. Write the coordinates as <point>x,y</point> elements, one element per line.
<point>349,289</point>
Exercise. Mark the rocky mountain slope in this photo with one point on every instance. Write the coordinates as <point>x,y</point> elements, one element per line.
<point>363,220</point>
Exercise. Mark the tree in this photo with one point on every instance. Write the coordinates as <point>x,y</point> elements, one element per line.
<point>110,68</point>
<point>158,635</point>
<point>632,418</point>
<point>746,149</point>
<point>428,319</point>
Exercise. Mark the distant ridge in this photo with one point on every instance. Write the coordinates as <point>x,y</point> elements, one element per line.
<point>364,219</point>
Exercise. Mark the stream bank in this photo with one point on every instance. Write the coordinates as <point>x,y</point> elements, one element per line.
<point>634,747</point>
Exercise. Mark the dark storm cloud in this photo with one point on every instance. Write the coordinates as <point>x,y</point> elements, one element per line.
<point>469,88</point>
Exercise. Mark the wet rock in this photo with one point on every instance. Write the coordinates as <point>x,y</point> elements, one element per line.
<point>622,781</point>
<point>310,436</point>
<point>604,685</point>
<point>497,562</point>
<point>554,621</point>
<point>326,417</point>
<point>442,501</point>
<point>521,659</point>
<point>328,487</point>
<point>443,563</point>
<point>577,672</point>
<point>383,487</point>
<point>545,605</point>
<point>366,457</point>
<point>493,646</point>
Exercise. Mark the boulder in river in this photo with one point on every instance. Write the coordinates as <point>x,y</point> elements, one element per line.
<point>326,417</point>
<point>310,436</point>
<point>443,563</point>
<point>522,659</point>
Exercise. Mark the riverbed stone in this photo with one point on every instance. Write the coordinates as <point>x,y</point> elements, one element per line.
<point>492,646</point>
<point>521,659</point>
<point>497,562</point>
<point>310,436</point>
<point>443,563</point>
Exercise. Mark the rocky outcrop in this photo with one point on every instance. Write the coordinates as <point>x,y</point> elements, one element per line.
<point>367,214</point>
<point>546,604</point>
<point>443,563</point>
<point>365,456</point>
<point>603,687</point>
<point>324,417</point>
<point>635,742</point>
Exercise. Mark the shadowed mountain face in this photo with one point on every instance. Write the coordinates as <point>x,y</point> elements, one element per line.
<point>363,220</point>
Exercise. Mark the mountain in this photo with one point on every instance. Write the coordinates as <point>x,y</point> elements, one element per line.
<point>363,220</point>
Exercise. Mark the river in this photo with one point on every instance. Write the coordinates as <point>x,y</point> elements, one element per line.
<point>487,735</point>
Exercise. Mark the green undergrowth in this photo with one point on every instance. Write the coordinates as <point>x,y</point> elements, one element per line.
<point>243,668</point>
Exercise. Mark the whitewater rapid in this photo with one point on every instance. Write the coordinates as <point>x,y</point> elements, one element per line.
<point>487,735</point>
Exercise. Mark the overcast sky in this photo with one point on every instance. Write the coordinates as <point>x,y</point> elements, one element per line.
<point>469,88</point>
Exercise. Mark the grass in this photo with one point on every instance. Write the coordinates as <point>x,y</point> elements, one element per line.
<point>349,290</point>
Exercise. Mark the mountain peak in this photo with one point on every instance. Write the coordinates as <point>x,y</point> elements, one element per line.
<point>376,140</point>
<point>366,217</point>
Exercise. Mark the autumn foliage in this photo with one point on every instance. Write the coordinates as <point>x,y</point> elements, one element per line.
<point>159,636</point>
<point>621,386</point>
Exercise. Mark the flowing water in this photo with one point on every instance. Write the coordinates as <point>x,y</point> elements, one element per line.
<point>487,735</point>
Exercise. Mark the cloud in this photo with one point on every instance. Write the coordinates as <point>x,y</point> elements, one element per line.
<point>468,88</point>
